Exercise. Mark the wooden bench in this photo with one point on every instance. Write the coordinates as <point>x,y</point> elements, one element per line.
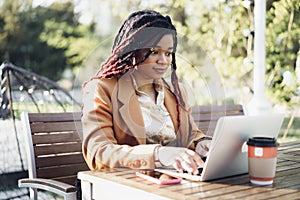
<point>54,153</point>
<point>206,117</point>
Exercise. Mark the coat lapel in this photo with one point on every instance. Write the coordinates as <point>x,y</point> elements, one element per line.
<point>170,104</point>
<point>181,131</point>
<point>130,110</point>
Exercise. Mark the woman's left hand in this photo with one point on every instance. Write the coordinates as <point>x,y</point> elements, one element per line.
<point>202,147</point>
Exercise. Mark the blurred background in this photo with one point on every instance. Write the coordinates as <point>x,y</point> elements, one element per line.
<point>48,48</point>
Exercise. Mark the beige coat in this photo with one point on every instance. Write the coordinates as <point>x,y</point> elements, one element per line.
<point>113,129</point>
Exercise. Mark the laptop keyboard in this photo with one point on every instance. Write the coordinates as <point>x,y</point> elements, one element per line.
<point>200,169</point>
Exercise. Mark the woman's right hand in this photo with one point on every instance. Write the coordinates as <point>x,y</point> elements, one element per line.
<point>180,158</point>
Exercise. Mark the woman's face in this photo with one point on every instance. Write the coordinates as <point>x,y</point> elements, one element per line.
<point>159,60</point>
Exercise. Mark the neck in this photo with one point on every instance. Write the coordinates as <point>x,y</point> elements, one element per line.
<point>145,87</point>
<point>142,82</point>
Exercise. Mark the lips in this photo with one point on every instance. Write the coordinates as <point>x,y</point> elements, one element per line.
<point>160,70</point>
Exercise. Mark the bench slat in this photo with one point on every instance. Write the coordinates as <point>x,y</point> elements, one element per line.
<point>56,138</point>
<point>54,117</point>
<point>61,171</point>
<point>206,117</point>
<point>59,160</point>
<point>57,149</point>
<point>47,127</point>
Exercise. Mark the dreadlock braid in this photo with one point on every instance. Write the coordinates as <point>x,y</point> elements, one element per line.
<point>178,96</point>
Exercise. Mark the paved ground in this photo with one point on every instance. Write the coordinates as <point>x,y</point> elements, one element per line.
<point>12,154</point>
<point>11,159</point>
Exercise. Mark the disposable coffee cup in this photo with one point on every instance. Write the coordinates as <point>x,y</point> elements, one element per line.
<point>262,159</point>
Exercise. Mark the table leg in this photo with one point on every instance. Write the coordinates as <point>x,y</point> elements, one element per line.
<point>86,189</point>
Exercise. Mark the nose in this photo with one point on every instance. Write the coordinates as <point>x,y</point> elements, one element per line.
<point>163,59</point>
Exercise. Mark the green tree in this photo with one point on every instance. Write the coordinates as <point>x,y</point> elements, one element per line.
<point>283,50</point>
<point>45,40</point>
<point>225,31</point>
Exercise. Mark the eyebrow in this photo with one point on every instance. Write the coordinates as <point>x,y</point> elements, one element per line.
<point>159,47</point>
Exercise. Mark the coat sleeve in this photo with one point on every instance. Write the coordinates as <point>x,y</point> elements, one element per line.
<point>100,146</point>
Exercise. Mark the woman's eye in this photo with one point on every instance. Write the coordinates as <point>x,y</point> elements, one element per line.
<point>168,53</point>
<point>154,52</point>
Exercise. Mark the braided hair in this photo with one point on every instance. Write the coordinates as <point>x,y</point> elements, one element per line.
<point>141,30</point>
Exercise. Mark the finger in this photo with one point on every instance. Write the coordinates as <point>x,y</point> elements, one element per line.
<point>189,164</point>
<point>196,158</point>
<point>187,167</point>
<point>178,166</point>
<point>206,145</point>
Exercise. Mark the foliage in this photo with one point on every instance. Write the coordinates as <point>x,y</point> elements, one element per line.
<point>44,40</point>
<point>294,131</point>
<point>283,44</point>
<point>216,44</point>
<point>215,49</point>
<point>44,108</point>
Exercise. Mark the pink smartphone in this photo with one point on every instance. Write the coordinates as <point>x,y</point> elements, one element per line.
<point>158,177</point>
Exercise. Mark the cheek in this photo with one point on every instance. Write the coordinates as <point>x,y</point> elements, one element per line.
<point>145,66</point>
<point>152,59</point>
<point>170,59</point>
<point>149,60</point>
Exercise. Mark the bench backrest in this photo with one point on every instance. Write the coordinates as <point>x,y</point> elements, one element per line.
<point>53,145</point>
<point>206,117</point>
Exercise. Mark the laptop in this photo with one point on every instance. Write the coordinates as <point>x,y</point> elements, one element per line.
<point>228,154</point>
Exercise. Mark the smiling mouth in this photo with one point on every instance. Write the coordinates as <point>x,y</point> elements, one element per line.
<point>160,70</point>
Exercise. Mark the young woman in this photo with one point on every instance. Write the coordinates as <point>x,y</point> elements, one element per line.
<point>132,116</point>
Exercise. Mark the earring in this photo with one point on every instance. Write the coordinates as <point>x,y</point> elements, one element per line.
<point>134,63</point>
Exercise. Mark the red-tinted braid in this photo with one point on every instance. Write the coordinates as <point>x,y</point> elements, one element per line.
<point>178,96</point>
<point>115,65</point>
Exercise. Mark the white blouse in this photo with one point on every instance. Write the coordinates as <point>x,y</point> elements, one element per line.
<point>158,124</point>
